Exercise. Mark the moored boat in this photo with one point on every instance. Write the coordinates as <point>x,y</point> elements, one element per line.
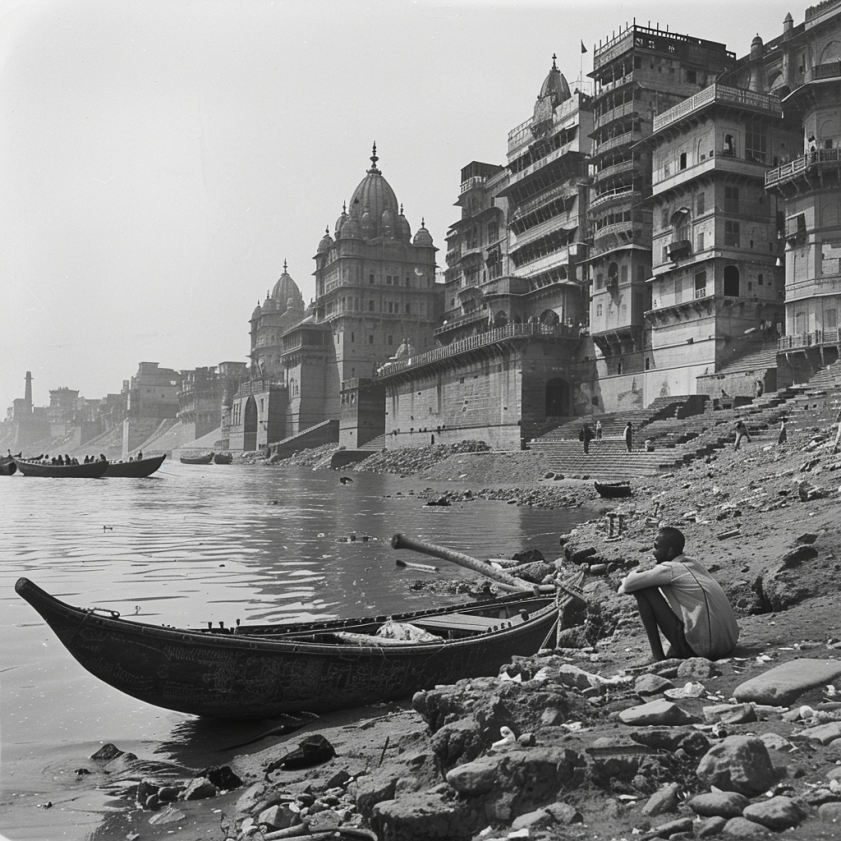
<point>262,671</point>
<point>138,469</point>
<point>91,470</point>
<point>223,458</point>
<point>613,490</point>
<point>204,459</point>
<point>7,466</point>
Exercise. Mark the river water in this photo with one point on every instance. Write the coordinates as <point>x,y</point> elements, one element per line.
<point>190,545</point>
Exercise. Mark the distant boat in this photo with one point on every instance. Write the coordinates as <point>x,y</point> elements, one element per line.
<point>138,469</point>
<point>612,490</point>
<point>91,470</point>
<point>205,459</point>
<point>7,466</point>
<point>223,458</point>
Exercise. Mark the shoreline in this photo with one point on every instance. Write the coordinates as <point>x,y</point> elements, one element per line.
<point>742,514</point>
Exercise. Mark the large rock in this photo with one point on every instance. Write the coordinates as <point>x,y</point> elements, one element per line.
<point>778,813</point>
<point>738,763</point>
<point>660,712</point>
<point>723,804</point>
<point>425,817</point>
<point>784,684</point>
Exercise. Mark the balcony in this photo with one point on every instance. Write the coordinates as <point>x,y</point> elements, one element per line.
<point>679,249</point>
<point>473,181</point>
<point>619,194</point>
<point>812,162</point>
<point>613,114</point>
<point>814,287</point>
<point>616,142</point>
<point>766,103</point>
<point>491,337</point>
<point>614,170</point>
<point>813,339</point>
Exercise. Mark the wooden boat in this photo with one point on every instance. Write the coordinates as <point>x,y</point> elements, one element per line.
<point>612,490</point>
<point>262,671</point>
<point>223,458</point>
<point>7,466</point>
<point>205,459</point>
<point>91,470</point>
<point>134,469</point>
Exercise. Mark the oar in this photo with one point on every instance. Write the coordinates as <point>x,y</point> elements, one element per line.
<point>507,582</point>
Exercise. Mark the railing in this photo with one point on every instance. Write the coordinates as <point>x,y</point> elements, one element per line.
<point>256,386</point>
<point>801,340</point>
<point>719,93</point>
<point>473,181</point>
<point>460,321</point>
<point>474,342</point>
<point>614,169</point>
<point>613,142</point>
<point>611,114</point>
<point>795,167</point>
<point>613,195</point>
<point>831,284</point>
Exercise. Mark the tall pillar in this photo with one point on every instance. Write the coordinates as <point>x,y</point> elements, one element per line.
<point>28,393</point>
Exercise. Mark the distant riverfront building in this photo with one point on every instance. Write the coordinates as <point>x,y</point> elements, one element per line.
<point>376,298</point>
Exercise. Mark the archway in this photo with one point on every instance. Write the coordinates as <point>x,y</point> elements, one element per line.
<point>250,425</point>
<point>557,398</point>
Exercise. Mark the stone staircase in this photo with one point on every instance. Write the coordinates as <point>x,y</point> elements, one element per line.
<point>678,441</point>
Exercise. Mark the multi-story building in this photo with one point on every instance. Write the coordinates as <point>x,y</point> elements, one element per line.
<point>515,308</point>
<point>803,67</point>
<point>376,297</point>
<point>477,255</point>
<point>717,278</point>
<point>152,392</point>
<point>639,73</point>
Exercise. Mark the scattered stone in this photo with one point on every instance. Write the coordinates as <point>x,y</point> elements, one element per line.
<point>199,789</point>
<point>823,733</point>
<point>830,812</point>
<point>710,827</point>
<point>738,763</point>
<point>784,684</point>
<point>743,828</point>
<point>169,815</point>
<point>724,804</point>
<point>660,712</point>
<point>106,753</point>
<point>663,800</point>
<point>778,813</point>
<point>651,685</point>
<point>696,668</point>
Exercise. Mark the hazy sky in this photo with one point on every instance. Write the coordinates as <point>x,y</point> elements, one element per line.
<point>160,160</point>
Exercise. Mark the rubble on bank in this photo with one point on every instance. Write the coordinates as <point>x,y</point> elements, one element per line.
<point>587,740</point>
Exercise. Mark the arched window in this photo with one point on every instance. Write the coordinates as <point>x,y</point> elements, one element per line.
<point>731,281</point>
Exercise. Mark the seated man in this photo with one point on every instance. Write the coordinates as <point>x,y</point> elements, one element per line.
<point>679,598</point>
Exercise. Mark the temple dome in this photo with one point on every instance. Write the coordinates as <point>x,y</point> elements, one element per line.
<point>284,289</point>
<point>555,85</point>
<point>326,241</point>
<point>373,197</point>
<point>423,238</point>
<point>258,311</point>
<point>404,230</point>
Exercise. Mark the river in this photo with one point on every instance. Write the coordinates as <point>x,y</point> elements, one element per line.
<point>190,545</point>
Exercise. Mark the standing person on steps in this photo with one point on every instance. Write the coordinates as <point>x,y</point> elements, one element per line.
<point>586,436</point>
<point>598,430</point>
<point>628,435</point>
<point>741,432</point>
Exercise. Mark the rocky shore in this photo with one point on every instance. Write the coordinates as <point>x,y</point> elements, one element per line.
<point>585,739</point>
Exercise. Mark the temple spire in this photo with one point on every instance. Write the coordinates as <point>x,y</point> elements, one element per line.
<point>373,170</point>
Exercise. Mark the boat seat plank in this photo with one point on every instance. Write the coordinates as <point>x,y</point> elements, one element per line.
<point>465,622</point>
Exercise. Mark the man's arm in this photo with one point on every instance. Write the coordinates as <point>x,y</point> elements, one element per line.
<point>656,576</point>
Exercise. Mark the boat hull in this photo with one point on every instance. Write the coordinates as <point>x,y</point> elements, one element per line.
<point>92,470</point>
<point>613,490</point>
<point>265,671</point>
<point>134,469</point>
<point>197,459</point>
<point>223,458</point>
<point>7,466</point>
